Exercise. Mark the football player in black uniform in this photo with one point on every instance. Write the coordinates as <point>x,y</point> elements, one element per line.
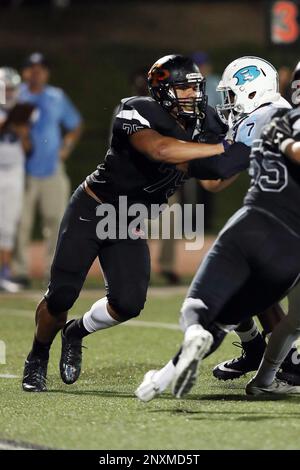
<point>151,137</point>
<point>255,260</point>
<point>284,133</point>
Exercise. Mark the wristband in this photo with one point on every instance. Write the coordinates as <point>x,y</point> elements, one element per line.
<point>226,144</point>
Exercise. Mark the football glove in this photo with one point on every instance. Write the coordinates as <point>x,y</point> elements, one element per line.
<point>278,133</point>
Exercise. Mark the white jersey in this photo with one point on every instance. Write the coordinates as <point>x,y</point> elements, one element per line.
<point>248,128</point>
<point>11,150</point>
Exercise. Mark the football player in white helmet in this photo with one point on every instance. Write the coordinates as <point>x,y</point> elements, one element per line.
<point>10,82</point>
<point>247,83</point>
<point>250,91</point>
<point>250,95</point>
<point>286,133</point>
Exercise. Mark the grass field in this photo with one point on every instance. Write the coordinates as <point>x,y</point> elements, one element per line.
<point>100,410</point>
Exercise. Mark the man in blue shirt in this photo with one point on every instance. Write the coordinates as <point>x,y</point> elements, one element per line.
<point>47,185</point>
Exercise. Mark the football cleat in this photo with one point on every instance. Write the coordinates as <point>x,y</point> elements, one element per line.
<point>290,368</point>
<point>35,373</point>
<point>196,345</point>
<point>148,389</point>
<point>71,357</point>
<point>277,387</point>
<point>9,286</point>
<point>252,353</point>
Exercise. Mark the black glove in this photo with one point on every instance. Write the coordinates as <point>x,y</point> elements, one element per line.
<point>277,132</point>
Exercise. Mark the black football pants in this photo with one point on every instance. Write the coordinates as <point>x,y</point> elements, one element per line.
<point>253,263</point>
<point>125,263</point>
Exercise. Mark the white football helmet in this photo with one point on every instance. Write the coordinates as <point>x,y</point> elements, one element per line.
<point>9,82</point>
<point>246,84</point>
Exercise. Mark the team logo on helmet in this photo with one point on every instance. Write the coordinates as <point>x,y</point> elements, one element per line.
<point>246,74</point>
<point>157,74</point>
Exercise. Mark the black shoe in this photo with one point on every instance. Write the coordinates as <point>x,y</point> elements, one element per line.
<point>23,281</point>
<point>290,368</point>
<point>171,277</point>
<point>252,353</point>
<point>71,357</point>
<point>35,374</point>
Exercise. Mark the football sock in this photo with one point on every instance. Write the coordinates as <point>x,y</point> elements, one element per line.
<point>164,376</point>
<point>280,343</point>
<point>266,373</point>
<point>98,318</point>
<point>247,331</point>
<point>76,330</point>
<point>39,350</point>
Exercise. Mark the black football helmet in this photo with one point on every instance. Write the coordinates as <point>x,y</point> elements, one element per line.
<point>172,72</point>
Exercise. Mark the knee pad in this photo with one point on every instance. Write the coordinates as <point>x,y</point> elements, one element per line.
<point>128,300</point>
<point>61,300</point>
<point>189,312</point>
<point>128,307</point>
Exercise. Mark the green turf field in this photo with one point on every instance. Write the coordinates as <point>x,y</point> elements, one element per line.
<point>100,411</point>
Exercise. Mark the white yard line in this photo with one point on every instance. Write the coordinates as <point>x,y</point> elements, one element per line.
<point>10,446</point>
<point>134,323</point>
<point>36,295</point>
<point>152,324</point>
<point>9,376</point>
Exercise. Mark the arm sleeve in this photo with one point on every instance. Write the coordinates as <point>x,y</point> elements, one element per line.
<point>234,160</point>
<point>70,116</point>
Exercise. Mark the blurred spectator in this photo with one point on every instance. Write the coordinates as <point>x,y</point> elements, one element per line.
<point>202,59</point>
<point>47,185</point>
<point>14,142</point>
<point>285,78</point>
<point>139,82</point>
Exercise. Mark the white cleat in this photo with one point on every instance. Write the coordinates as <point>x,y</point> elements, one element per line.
<point>195,346</point>
<point>148,389</point>
<point>277,387</point>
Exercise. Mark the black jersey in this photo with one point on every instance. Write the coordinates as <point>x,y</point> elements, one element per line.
<point>275,183</point>
<point>128,172</point>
